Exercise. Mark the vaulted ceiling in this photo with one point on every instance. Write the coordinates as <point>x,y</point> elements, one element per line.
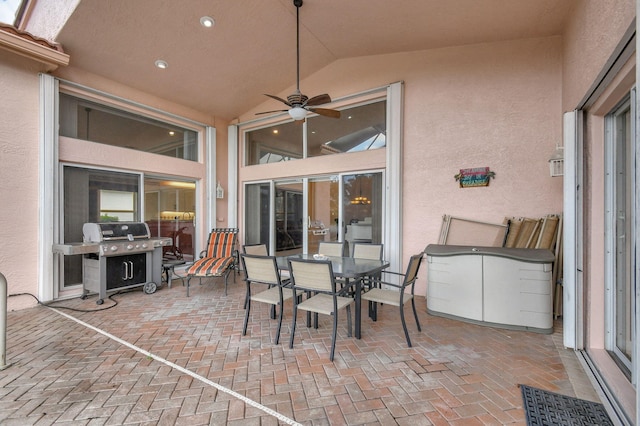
<point>225,70</point>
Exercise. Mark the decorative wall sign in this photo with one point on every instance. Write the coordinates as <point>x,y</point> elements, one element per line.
<point>478,176</point>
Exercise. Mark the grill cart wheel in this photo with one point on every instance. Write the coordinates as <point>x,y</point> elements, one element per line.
<point>150,287</point>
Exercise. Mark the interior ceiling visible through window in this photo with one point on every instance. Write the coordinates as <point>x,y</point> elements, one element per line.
<point>367,122</point>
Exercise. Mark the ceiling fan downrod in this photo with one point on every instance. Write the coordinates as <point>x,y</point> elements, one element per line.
<point>297,4</point>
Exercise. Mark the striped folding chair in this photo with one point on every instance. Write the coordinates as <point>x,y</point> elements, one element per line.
<point>219,259</point>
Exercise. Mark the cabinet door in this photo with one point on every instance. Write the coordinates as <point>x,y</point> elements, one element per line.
<point>517,293</point>
<point>123,271</point>
<point>455,286</point>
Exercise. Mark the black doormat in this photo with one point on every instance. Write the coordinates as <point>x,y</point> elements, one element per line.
<point>548,408</point>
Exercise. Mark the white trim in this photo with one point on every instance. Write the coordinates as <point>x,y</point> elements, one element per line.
<point>393,189</point>
<point>210,203</point>
<point>232,179</point>
<point>48,172</point>
<point>572,271</point>
<point>635,149</point>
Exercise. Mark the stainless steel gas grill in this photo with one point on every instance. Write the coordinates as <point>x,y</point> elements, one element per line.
<point>116,256</point>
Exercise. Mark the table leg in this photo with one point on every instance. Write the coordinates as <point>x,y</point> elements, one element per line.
<point>358,307</point>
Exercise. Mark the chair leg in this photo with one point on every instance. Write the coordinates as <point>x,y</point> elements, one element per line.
<point>293,326</point>
<point>374,311</point>
<point>349,323</point>
<point>404,325</point>
<point>247,305</point>
<point>334,335</point>
<point>188,282</point>
<point>279,325</point>
<point>415,313</point>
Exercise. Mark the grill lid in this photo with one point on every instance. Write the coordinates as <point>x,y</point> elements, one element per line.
<point>110,231</point>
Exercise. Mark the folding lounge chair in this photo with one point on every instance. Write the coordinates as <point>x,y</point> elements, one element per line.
<point>219,259</point>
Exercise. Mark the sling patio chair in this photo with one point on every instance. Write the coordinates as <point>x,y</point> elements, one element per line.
<point>259,249</point>
<point>331,248</point>
<point>262,271</point>
<point>316,278</point>
<point>368,251</point>
<point>219,259</point>
<point>392,294</point>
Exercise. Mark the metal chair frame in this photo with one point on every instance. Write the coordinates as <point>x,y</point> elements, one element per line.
<point>316,278</point>
<point>395,295</point>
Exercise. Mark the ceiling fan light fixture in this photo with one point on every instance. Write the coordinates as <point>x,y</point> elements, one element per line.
<point>298,113</point>
<point>207,21</point>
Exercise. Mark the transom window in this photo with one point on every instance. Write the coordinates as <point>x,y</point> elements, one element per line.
<point>83,119</point>
<point>360,128</point>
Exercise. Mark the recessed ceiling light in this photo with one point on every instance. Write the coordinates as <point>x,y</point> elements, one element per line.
<point>161,64</point>
<point>207,21</point>
<point>171,132</point>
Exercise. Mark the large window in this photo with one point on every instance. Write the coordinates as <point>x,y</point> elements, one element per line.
<point>360,128</point>
<point>83,119</point>
<point>92,195</point>
<point>619,154</point>
<point>170,211</point>
<point>295,215</point>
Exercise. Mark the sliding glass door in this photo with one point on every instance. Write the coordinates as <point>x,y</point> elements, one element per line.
<point>294,216</point>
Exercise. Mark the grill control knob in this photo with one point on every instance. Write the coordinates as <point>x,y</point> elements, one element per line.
<point>129,246</point>
<point>145,245</point>
<point>114,248</point>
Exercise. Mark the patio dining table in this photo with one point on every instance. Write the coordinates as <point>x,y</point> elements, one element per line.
<point>347,268</point>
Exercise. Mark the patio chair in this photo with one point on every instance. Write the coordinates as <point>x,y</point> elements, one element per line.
<point>368,251</point>
<point>258,249</point>
<point>219,259</point>
<point>393,294</point>
<point>317,280</point>
<point>331,248</point>
<point>263,271</point>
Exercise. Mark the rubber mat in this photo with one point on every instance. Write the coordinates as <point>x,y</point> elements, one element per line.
<point>548,408</point>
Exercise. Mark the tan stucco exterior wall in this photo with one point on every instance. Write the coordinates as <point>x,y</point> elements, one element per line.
<point>19,150</point>
<point>495,105</point>
<point>591,34</point>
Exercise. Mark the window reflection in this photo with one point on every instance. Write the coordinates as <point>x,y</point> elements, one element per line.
<point>282,142</point>
<point>82,119</point>
<point>359,129</point>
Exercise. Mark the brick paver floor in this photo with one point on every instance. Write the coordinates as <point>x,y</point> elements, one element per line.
<point>166,359</point>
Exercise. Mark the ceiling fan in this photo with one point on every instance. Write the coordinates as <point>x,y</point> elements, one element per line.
<point>299,104</point>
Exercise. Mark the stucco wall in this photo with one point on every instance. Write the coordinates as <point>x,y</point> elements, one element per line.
<point>19,91</point>
<point>495,105</point>
<point>591,34</point>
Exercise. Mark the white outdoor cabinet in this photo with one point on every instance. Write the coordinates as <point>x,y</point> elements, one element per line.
<point>501,287</point>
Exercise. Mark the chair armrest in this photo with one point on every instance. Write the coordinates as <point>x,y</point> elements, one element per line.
<point>202,253</point>
<point>393,273</point>
<point>389,284</point>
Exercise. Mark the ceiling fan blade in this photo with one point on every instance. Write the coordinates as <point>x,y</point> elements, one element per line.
<point>319,100</point>
<point>279,99</point>
<point>271,112</point>
<point>332,113</point>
